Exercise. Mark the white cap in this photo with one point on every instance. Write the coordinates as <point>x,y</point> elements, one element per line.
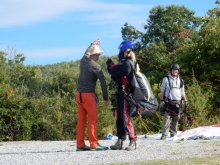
<point>93,49</point>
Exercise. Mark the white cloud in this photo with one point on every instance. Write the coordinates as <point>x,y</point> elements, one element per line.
<point>22,12</point>
<point>15,13</point>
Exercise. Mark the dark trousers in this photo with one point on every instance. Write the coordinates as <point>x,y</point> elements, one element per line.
<point>124,124</point>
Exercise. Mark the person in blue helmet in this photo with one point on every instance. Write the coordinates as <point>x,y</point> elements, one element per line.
<point>122,75</point>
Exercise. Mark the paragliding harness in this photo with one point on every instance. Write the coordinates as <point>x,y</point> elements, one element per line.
<point>164,108</point>
<point>140,97</point>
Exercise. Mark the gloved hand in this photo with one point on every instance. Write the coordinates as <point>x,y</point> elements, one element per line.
<point>162,103</point>
<point>109,61</point>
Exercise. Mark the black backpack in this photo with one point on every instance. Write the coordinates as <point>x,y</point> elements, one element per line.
<point>141,98</point>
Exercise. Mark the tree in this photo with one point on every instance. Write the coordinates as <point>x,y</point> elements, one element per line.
<point>165,24</point>
<point>202,54</point>
<point>167,29</point>
<point>217,2</point>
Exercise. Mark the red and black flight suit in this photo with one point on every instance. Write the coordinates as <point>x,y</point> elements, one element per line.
<point>122,75</point>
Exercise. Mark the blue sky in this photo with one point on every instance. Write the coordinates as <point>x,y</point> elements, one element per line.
<point>53,31</point>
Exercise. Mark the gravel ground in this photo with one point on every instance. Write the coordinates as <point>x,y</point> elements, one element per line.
<point>64,152</point>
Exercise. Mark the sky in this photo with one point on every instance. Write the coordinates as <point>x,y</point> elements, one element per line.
<point>54,31</point>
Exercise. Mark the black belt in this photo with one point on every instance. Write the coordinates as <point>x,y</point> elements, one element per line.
<point>173,100</point>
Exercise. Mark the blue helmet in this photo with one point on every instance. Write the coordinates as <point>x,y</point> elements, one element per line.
<point>125,45</point>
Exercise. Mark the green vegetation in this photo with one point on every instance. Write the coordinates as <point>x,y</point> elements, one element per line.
<point>38,102</point>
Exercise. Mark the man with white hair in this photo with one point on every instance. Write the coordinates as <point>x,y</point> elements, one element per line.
<point>86,98</point>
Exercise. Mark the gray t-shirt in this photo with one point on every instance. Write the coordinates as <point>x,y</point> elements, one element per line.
<point>172,91</point>
<point>90,72</point>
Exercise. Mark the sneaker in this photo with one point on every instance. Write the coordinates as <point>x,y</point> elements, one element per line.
<point>119,145</point>
<point>99,148</point>
<point>85,148</point>
<point>132,146</point>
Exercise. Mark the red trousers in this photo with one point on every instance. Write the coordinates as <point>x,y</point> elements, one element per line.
<point>87,109</point>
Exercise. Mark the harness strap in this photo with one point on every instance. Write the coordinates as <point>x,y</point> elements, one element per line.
<point>170,87</point>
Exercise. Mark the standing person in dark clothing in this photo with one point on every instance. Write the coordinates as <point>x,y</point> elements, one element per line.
<point>122,75</point>
<point>172,92</point>
<point>90,72</point>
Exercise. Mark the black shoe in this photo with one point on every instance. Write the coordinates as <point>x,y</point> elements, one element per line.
<point>119,145</point>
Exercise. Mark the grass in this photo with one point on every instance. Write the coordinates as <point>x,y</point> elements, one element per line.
<point>212,160</point>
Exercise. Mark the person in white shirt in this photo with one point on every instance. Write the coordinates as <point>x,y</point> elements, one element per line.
<point>172,92</point>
